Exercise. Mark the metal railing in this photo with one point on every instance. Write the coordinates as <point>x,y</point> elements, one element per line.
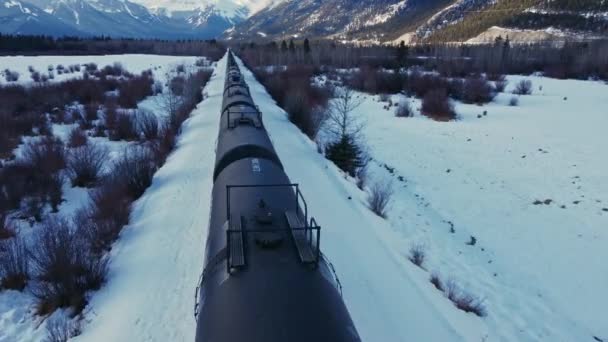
<point>294,186</point>
<point>242,114</point>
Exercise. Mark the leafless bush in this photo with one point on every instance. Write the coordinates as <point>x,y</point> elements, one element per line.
<point>77,138</point>
<point>379,197</point>
<point>103,220</point>
<point>135,89</point>
<point>35,76</point>
<point>180,69</point>
<point>477,90</point>
<point>165,144</point>
<point>500,84</point>
<point>302,114</point>
<point>134,171</point>
<point>147,124</point>
<point>437,106</point>
<point>176,85</point>
<point>61,329</point>
<point>463,300</point>
<point>514,102</point>
<point>523,87</point>
<point>125,127</point>
<point>6,231</point>
<point>86,164</point>
<point>46,155</point>
<point>65,268</point>
<point>14,267</point>
<point>362,177</point>
<point>90,67</point>
<point>417,255</point>
<point>404,110</point>
<point>11,76</point>
<point>436,281</point>
<point>90,112</point>
<point>384,97</point>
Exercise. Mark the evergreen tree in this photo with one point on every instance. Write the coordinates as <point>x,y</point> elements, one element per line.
<point>306,46</point>
<point>402,54</point>
<point>283,46</point>
<point>292,46</point>
<point>346,154</point>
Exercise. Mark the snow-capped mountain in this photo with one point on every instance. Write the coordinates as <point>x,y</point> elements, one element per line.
<point>165,19</point>
<point>420,20</point>
<point>356,19</point>
<point>17,17</point>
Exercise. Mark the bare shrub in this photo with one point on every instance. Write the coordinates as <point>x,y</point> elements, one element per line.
<point>86,164</point>
<point>90,112</point>
<point>103,220</point>
<point>463,300</point>
<point>500,83</point>
<point>65,269</point>
<point>436,281</point>
<point>6,231</point>
<point>61,329</point>
<point>47,155</point>
<point>437,106</point>
<point>384,97</point>
<point>301,113</point>
<point>90,67</point>
<point>477,90</point>
<point>514,102</point>
<point>165,144</point>
<point>417,255</point>
<point>77,138</point>
<point>14,266</point>
<point>379,197</point>
<point>111,113</point>
<point>177,84</point>
<point>147,124</point>
<point>134,171</point>
<point>35,76</point>
<point>125,127</point>
<point>135,89</point>
<point>523,87</point>
<point>404,110</point>
<point>11,76</point>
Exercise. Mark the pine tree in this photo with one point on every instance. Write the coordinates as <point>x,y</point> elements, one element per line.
<point>402,54</point>
<point>283,46</point>
<point>292,47</point>
<point>346,154</point>
<point>306,46</point>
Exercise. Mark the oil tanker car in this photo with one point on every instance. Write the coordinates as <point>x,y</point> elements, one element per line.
<point>265,278</point>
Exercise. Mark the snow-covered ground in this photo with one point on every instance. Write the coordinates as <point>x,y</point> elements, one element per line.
<point>18,321</point>
<point>159,257</point>
<point>160,65</point>
<point>541,268</point>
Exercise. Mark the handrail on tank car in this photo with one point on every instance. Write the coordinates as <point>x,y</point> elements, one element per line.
<point>242,115</point>
<point>295,186</point>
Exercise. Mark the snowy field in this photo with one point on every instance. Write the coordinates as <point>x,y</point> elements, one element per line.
<point>18,321</point>
<point>158,260</point>
<point>160,65</point>
<point>528,183</point>
<point>539,268</point>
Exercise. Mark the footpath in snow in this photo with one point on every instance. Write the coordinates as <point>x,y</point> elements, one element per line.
<point>388,298</point>
<point>157,261</point>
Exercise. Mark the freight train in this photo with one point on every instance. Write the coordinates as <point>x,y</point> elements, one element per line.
<point>265,278</point>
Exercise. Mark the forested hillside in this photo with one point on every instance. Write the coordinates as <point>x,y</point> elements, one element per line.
<point>574,15</point>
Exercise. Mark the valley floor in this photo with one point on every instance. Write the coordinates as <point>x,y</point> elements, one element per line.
<point>539,268</point>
